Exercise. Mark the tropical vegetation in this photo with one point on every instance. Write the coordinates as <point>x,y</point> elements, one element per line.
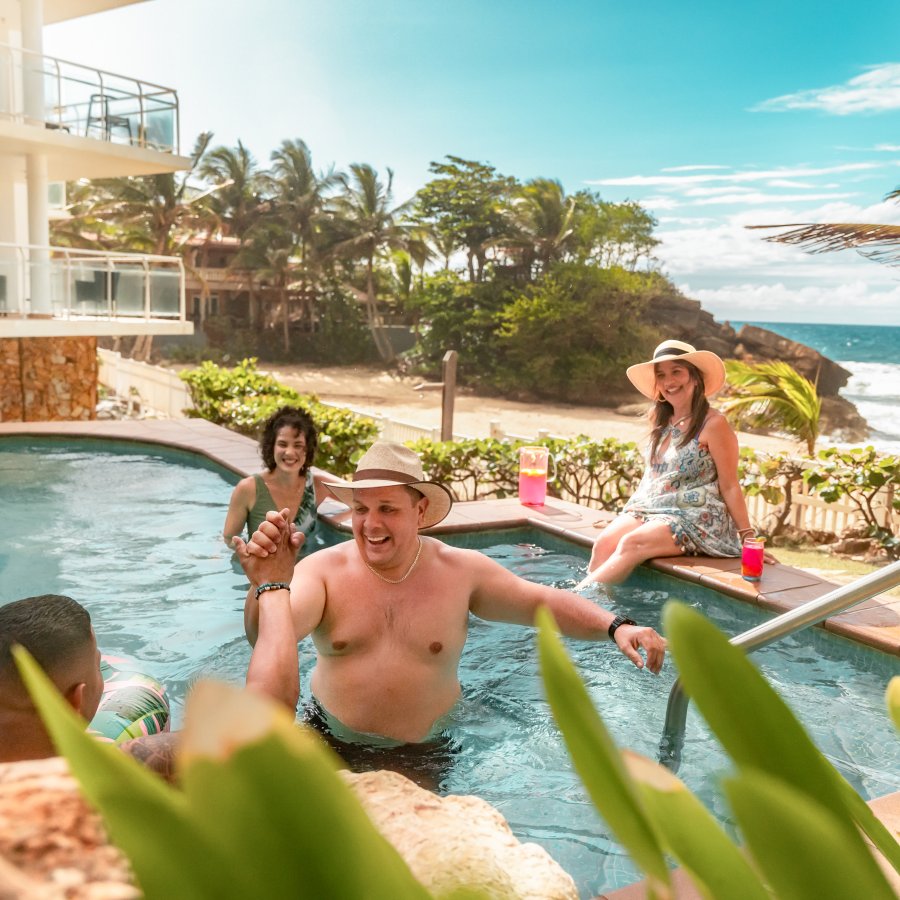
<point>772,395</point>
<point>475,261</point>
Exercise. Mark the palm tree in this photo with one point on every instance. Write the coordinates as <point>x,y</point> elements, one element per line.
<point>362,225</point>
<point>239,196</point>
<point>773,395</point>
<point>298,196</point>
<point>884,240</point>
<point>299,193</point>
<point>150,213</point>
<point>543,217</point>
<point>269,253</point>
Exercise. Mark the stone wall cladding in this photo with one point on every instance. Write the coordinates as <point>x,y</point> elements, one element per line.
<point>48,379</point>
<point>11,400</point>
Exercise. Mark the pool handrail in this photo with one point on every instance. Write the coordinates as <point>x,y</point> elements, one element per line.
<point>811,613</point>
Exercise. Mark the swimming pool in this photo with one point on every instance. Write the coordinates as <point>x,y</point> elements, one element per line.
<point>132,531</point>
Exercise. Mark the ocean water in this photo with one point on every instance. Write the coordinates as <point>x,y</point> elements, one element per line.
<point>872,354</point>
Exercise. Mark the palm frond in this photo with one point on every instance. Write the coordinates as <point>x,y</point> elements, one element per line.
<point>773,395</point>
<point>828,237</point>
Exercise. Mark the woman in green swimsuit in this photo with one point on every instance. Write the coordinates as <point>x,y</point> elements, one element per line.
<point>288,447</point>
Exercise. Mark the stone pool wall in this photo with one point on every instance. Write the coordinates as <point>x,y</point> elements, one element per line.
<point>48,379</point>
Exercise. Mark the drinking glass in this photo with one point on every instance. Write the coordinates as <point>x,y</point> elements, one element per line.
<point>752,558</point>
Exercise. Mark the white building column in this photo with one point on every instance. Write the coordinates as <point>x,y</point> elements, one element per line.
<point>36,165</point>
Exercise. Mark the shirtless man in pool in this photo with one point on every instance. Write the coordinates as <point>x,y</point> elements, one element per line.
<point>388,612</point>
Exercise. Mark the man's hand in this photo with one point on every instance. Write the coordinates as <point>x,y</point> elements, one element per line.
<point>630,638</point>
<point>272,550</point>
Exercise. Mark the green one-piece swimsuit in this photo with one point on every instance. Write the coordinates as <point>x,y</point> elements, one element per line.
<point>306,517</point>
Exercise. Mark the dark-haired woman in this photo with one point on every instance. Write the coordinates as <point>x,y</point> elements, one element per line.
<point>689,500</point>
<point>288,447</point>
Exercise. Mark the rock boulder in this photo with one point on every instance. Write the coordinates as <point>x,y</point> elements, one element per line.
<point>53,846</point>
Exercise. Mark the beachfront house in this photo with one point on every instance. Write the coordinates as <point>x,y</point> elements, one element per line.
<point>61,121</point>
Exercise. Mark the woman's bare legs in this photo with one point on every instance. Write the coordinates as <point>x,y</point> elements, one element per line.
<point>635,545</point>
<point>608,539</point>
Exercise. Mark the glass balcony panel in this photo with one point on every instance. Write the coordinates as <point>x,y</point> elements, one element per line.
<point>130,293</point>
<point>165,294</point>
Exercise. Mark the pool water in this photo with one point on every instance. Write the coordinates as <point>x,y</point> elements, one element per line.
<point>133,533</point>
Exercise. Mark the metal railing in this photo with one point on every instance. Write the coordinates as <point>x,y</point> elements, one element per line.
<point>836,601</point>
<point>88,102</point>
<point>73,284</point>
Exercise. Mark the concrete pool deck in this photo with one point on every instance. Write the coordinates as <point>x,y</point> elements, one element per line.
<point>875,622</point>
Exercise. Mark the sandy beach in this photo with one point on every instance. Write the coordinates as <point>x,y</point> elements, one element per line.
<point>374,391</point>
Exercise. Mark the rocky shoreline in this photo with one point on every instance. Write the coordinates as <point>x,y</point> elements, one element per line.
<point>684,319</point>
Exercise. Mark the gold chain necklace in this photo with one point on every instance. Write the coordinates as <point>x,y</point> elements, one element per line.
<point>404,576</point>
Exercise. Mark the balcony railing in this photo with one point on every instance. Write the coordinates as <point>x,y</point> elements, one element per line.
<point>69,284</point>
<point>88,102</point>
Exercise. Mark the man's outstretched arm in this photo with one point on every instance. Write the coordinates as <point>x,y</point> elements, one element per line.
<point>274,667</point>
<point>503,597</point>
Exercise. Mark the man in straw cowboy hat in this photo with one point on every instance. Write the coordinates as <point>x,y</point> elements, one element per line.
<point>388,611</point>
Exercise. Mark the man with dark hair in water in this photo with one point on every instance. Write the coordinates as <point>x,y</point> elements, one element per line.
<point>57,632</point>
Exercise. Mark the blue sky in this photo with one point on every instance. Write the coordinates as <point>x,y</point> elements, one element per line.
<point>712,116</point>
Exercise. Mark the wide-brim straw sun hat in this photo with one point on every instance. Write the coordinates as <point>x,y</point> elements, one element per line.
<point>386,464</point>
<point>643,375</point>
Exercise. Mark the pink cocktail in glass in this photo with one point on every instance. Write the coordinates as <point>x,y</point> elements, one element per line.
<point>752,559</point>
<point>532,486</point>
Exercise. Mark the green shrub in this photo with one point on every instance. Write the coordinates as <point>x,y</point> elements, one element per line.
<point>571,335</point>
<point>603,473</point>
<point>861,475</point>
<point>242,398</point>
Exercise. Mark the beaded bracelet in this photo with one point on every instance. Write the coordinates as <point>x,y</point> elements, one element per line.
<point>272,586</point>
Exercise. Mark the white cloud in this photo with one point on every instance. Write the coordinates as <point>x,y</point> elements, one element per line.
<point>734,177</point>
<point>757,197</point>
<point>793,183</point>
<point>684,220</point>
<point>876,90</point>
<point>691,168</point>
<point>887,148</point>
<point>852,302</point>
<point>714,252</point>
<point>715,191</point>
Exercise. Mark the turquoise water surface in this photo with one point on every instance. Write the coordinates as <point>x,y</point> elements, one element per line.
<point>132,532</point>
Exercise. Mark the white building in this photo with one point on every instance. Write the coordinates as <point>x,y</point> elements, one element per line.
<point>61,121</point>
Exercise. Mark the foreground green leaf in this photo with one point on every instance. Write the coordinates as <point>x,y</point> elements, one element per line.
<point>691,834</point>
<point>263,811</point>
<point>801,845</point>
<point>757,728</point>
<point>597,759</point>
<point>892,696</point>
<point>146,819</point>
<point>268,791</point>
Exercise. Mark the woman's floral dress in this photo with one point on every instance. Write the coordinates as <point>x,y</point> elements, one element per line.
<point>682,489</point>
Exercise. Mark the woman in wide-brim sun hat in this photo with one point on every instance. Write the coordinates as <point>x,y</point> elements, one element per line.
<point>689,500</point>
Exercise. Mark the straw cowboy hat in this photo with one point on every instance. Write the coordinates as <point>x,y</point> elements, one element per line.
<point>386,464</point>
<point>643,375</point>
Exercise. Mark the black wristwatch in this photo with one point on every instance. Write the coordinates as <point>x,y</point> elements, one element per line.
<point>616,622</point>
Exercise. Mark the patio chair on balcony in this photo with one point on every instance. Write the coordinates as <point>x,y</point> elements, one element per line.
<point>100,117</point>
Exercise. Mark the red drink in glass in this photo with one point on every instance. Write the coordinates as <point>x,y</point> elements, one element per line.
<point>752,559</point>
